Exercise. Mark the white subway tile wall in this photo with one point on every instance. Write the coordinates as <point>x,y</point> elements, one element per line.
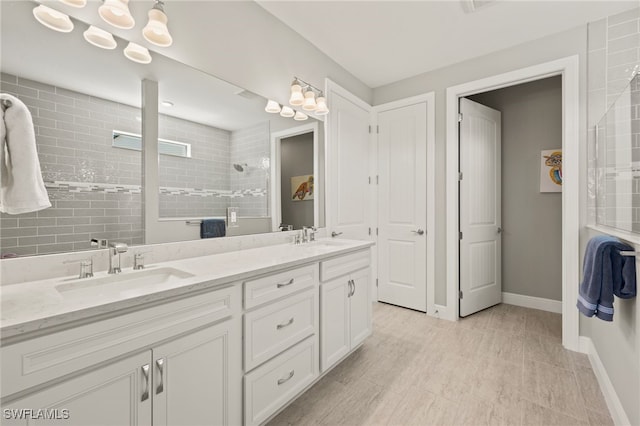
<point>94,188</point>
<point>613,56</point>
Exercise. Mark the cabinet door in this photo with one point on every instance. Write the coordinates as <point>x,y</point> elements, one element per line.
<point>118,394</point>
<point>360,301</point>
<point>197,378</point>
<point>334,321</point>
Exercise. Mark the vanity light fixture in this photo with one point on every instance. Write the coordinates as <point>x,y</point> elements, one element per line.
<point>75,3</point>
<point>137,53</point>
<point>287,112</point>
<point>272,107</point>
<point>300,116</point>
<point>116,13</point>
<point>100,38</point>
<point>304,94</point>
<point>53,19</point>
<point>156,31</point>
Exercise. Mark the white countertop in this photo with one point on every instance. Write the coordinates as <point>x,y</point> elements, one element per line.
<point>36,305</point>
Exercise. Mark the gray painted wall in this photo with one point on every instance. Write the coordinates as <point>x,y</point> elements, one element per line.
<point>296,157</point>
<point>532,221</point>
<point>546,49</point>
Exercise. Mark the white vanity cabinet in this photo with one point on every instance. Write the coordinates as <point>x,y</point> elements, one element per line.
<point>345,305</point>
<point>175,363</point>
<point>280,339</point>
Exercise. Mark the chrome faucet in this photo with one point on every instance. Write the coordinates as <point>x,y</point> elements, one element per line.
<point>115,249</point>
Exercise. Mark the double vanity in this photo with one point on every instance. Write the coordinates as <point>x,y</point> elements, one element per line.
<point>223,339</point>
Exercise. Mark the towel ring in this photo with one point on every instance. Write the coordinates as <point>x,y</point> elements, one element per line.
<point>6,103</point>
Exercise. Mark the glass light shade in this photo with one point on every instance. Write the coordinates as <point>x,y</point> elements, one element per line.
<point>53,19</point>
<point>156,30</point>
<point>321,106</point>
<point>287,112</point>
<point>137,53</point>
<point>309,103</point>
<point>272,107</point>
<point>100,38</point>
<point>75,3</point>
<point>116,13</point>
<point>300,116</point>
<point>296,98</point>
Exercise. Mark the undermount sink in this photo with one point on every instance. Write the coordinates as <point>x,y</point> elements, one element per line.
<point>129,283</point>
<point>329,243</point>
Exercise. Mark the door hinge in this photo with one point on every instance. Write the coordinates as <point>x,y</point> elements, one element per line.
<point>460,234</point>
<point>459,117</point>
<point>369,129</point>
<point>369,231</point>
<point>376,282</point>
<point>377,179</point>
<point>461,295</point>
<point>377,129</point>
<point>459,175</point>
<point>369,180</point>
<point>376,231</point>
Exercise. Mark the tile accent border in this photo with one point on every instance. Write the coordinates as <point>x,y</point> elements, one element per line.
<point>532,302</point>
<point>616,409</point>
<point>64,186</point>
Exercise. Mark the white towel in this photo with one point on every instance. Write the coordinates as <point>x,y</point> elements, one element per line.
<point>21,187</point>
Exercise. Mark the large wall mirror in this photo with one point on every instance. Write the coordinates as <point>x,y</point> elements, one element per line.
<point>218,150</point>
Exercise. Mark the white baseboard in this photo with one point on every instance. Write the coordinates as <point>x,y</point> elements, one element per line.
<point>532,302</point>
<point>608,391</point>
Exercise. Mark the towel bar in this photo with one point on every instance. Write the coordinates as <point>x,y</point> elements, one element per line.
<point>193,222</point>
<point>629,253</point>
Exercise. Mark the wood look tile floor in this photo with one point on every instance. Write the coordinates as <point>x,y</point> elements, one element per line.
<point>502,366</point>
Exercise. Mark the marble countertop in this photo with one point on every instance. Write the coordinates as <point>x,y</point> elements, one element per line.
<point>37,305</point>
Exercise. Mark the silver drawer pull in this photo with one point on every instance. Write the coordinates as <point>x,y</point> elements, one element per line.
<point>280,285</point>
<point>284,324</point>
<point>160,366</point>
<point>286,379</point>
<point>145,374</point>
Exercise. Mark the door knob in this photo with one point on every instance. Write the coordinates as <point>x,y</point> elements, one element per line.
<point>419,232</point>
<point>499,230</point>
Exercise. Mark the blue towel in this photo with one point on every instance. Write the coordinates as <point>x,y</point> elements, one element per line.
<point>212,228</point>
<point>606,273</point>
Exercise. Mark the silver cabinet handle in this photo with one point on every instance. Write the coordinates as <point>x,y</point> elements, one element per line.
<point>145,375</point>
<point>353,283</point>
<point>335,234</point>
<point>351,288</point>
<point>280,285</point>
<point>419,232</point>
<point>284,324</point>
<point>286,379</point>
<point>160,367</point>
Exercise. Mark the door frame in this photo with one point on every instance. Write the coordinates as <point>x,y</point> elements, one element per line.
<point>568,68</point>
<point>428,98</point>
<point>276,180</point>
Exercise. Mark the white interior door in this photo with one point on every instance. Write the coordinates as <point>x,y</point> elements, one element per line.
<point>348,153</point>
<point>480,211</point>
<point>402,206</point>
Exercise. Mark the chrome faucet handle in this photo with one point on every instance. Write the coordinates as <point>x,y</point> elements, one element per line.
<point>99,242</point>
<point>138,260</point>
<point>86,267</point>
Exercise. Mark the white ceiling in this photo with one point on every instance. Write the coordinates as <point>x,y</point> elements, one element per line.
<point>381,42</point>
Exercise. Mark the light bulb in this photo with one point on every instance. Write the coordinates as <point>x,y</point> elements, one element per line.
<point>321,106</point>
<point>137,53</point>
<point>296,98</point>
<point>272,107</point>
<point>53,19</point>
<point>309,103</point>
<point>116,13</point>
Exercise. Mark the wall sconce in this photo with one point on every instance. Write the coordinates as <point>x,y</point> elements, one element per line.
<point>116,13</point>
<point>272,107</point>
<point>100,38</point>
<point>156,30</point>
<point>303,93</point>
<point>296,98</point>
<point>300,116</point>
<point>75,3</point>
<point>53,19</point>
<point>287,112</point>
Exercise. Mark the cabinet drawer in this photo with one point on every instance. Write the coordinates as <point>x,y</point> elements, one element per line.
<point>272,287</point>
<point>41,359</point>
<point>273,328</point>
<point>333,268</point>
<point>273,384</point>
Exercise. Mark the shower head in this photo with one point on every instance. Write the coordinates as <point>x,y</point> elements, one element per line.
<point>240,167</point>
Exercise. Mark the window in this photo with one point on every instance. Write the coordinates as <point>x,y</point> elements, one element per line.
<point>132,141</point>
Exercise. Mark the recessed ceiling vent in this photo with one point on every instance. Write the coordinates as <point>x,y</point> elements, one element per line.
<point>247,94</point>
<point>470,6</point>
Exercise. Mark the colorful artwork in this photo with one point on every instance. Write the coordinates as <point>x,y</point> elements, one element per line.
<point>551,170</point>
<point>302,188</point>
